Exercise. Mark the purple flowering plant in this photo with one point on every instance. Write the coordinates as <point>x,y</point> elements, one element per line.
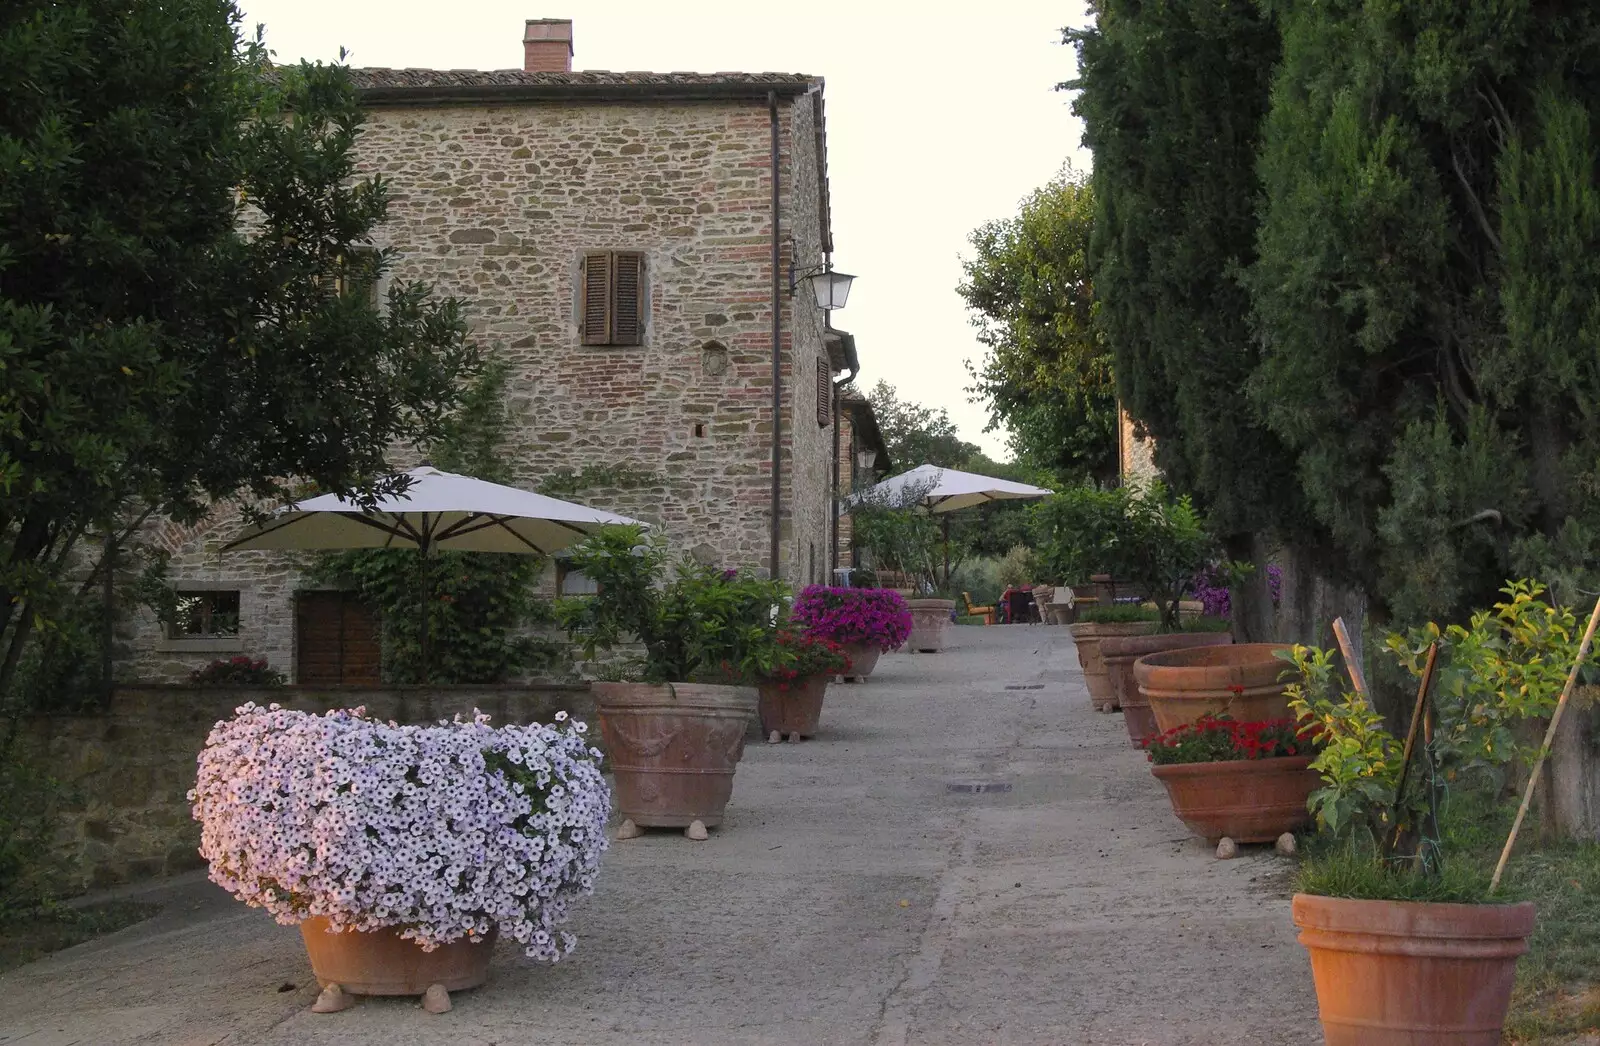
<point>444,831</point>
<point>871,616</point>
<point>1211,586</point>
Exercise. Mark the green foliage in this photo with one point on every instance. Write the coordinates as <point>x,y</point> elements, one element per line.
<point>30,802</point>
<point>1172,96</point>
<point>1506,667</point>
<point>566,482</point>
<point>899,537</point>
<point>704,625</point>
<point>1081,531</point>
<point>1381,222</point>
<point>1047,376</point>
<point>175,220</point>
<point>1017,567</point>
<point>1121,614</point>
<point>917,435</point>
<point>1349,866</point>
<point>1140,536</point>
<point>979,577</point>
<point>1205,624</point>
<point>480,606</point>
<point>1360,758</point>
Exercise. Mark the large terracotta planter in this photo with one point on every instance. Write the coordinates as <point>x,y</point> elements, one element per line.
<point>1119,654</point>
<point>863,659</point>
<point>673,748</point>
<point>381,962</point>
<point>793,711</point>
<point>1086,635</point>
<point>930,620</point>
<point>1241,681</point>
<point>1247,800</point>
<point>1405,973</point>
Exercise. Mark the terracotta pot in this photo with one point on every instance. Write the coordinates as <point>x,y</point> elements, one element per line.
<point>1405,973</point>
<point>1241,680</point>
<point>1247,800</point>
<point>673,748</point>
<point>796,710</point>
<point>1119,654</point>
<point>863,659</point>
<point>381,962</point>
<point>930,620</point>
<point>1086,635</point>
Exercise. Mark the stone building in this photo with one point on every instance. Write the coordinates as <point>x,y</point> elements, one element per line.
<point>862,459</point>
<point>613,235</point>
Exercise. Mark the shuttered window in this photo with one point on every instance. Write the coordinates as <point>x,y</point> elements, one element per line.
<point>824,393</point>
<point>613,298</point>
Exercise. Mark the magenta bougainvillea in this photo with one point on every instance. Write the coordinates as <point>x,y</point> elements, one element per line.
<point>874,616</point>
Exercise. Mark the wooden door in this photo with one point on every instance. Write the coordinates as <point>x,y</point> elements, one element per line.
<point>336,641</point>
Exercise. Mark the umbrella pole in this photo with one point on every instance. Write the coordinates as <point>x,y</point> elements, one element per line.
<point>947,550</point>
<point>427,605</point>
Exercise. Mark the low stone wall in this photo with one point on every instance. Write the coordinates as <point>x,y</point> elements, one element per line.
<point>128,770</point>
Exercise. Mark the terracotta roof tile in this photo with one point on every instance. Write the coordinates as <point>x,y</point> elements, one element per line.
<point>381,79</point>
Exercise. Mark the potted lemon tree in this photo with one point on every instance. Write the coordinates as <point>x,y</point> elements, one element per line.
<point>1403,932</point>
<point>682,698</point>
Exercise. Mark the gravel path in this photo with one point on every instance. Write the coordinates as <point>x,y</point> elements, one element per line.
<point>860,892</point>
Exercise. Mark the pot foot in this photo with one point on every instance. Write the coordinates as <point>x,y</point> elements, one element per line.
<point>697,831</point>
<point>794,738</point>
<point>628,830</point>
<point>1227,849</point>
<point>332,1000</point>
<point>1285,843</point>
<point>774,738</point>
<point>436,999</point>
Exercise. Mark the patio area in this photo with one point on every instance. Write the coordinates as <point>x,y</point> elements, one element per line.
<point>966,854</point>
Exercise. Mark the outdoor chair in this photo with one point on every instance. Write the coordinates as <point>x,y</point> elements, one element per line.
<point>987,613</point>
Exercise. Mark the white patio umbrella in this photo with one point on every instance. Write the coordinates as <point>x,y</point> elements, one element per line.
<point>439,510</point>
<point>941,490</point>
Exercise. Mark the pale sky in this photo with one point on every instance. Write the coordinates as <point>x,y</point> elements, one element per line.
<point>940,117</point>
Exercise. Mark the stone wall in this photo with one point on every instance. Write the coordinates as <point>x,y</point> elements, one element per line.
<point>1137,465</point>
<point>497,206</point>
<point>808,465</point>
<point>128,771</point>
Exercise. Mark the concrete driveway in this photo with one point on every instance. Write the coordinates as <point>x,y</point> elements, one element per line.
<point>860,892</point>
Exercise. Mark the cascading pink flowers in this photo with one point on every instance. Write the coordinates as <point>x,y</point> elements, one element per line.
<point>874,616</point>
<point>443,830</point>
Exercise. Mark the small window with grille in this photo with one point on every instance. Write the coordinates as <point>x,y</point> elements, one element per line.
<point>204,615</point>
<point>611,304</point>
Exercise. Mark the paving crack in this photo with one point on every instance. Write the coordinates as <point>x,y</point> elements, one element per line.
<point>894,1018</point>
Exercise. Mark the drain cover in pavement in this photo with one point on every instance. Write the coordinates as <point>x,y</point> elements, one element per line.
<point>974,787</point>
<point>1024,686</point>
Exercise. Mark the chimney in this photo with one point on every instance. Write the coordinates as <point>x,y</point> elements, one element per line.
<point>547,46</point>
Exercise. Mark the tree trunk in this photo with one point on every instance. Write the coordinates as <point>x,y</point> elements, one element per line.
<point>1571,785</point>
<point>1310,602</point>
<point>1250,601</point>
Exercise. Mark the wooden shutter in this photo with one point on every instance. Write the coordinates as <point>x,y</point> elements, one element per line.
<point>596,307</point>
<point>627,272</point>
<point>824,393</point>
<point>613,298</point>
